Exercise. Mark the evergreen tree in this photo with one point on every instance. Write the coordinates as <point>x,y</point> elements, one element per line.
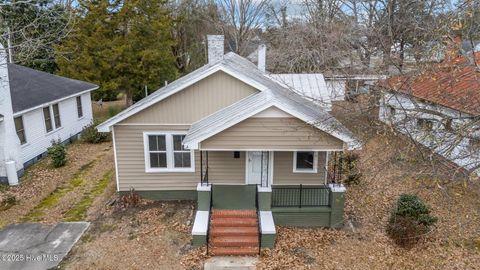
<point>122,46</point>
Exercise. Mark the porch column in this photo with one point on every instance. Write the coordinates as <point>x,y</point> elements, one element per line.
<point>337,204</point>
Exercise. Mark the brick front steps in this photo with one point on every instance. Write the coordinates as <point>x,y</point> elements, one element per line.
<point>234,233</point>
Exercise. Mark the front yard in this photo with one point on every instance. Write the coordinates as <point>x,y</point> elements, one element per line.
<point>156,235</point>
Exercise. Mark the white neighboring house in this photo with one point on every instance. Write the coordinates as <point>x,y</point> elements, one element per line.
<point>439,109</point>
<point>37,108</point>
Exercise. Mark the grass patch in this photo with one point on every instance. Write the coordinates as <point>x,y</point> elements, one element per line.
<point>79,211</point>
<point>4,187</point>
<point>8,202</point>
<point>39,211</point>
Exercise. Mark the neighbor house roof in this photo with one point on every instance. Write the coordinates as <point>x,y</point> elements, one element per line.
<point>455,84</point>
<point>272,93</point>
<point>32,88</point>
<point>311,86</point>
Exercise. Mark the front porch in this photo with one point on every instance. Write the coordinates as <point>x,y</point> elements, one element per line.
<point>313,199</point>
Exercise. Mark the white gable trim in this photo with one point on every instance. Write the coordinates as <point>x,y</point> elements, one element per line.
<point>106,126</point>
<point>272,112</point>
<point>194,144</point>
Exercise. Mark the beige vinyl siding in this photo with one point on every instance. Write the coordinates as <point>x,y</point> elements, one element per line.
<point>272,134</point>
<point>223,168</point>
<point>195,102</point>
<point>131,162</point>
<point>283,171</point>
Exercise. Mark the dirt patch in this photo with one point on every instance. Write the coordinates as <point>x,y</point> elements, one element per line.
<point>153,235</point>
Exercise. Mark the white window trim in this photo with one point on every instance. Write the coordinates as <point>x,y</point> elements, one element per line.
<point>52,118</point>
<point>81,106</point>
<point>315,163</point>
<point>169,149</point>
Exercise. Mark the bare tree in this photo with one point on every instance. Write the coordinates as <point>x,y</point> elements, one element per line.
<point>241,21</point>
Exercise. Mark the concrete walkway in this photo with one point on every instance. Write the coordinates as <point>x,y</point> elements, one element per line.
<point>37,246</point>
<point>230,263</point>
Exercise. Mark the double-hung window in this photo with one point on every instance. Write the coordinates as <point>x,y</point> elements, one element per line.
<point>164,152</point>
<point>305,162</point>
<point>48,119</point>
<point>19,128</point>
<point>56,115</point>
<point>79,107</point>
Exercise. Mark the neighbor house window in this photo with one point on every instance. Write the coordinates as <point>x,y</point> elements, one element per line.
<point>165,152</point>
<point>56,116</point>
<point>391,111</point>
<point>79,107</point>
<point>447,123</point>
<point>20,129</point>
<point>474,144</point>
<point>305,161</point>
<point>425,124</point>
<point>48,119</point>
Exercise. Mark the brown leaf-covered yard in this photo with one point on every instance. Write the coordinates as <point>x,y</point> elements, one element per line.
<point>156,235</point>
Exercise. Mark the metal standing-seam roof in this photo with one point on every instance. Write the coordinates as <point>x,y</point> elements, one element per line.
<point>311,86</point>
<point>30,88</point>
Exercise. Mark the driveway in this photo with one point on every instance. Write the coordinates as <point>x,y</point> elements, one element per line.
<point>37,246</point>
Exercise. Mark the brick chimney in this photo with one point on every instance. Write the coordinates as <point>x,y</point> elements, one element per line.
<point>216,45</point>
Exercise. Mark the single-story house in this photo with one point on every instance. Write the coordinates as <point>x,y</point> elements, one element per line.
<point>439,108</point>
<point>36,109</point>
<point>252,152</point>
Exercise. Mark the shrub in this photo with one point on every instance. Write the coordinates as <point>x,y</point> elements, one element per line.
<point>130,199</point>
<point>58,154</point>
<point>352,175</point>
<point>90,134</point>
<point>113,110</point>
<point>409,221</point>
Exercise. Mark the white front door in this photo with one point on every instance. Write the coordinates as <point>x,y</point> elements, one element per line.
<point>254,167</point>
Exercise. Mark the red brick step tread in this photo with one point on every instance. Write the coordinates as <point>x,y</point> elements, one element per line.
<point>234,251</point>
<point>234,241</point>
<point>233,222</point>
<point>232,231</point>
<point>234,213</point>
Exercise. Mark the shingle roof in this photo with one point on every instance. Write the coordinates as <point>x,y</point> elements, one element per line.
<point>455,85</point>
<point>30,88</point>
<point>272,91</point>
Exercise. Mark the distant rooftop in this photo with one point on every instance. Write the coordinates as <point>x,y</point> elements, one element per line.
<point>454,84</point>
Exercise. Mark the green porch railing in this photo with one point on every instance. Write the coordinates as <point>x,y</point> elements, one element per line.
<point>300,196</point>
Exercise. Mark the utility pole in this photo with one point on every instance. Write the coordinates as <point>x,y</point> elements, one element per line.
<point>9,45</point>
